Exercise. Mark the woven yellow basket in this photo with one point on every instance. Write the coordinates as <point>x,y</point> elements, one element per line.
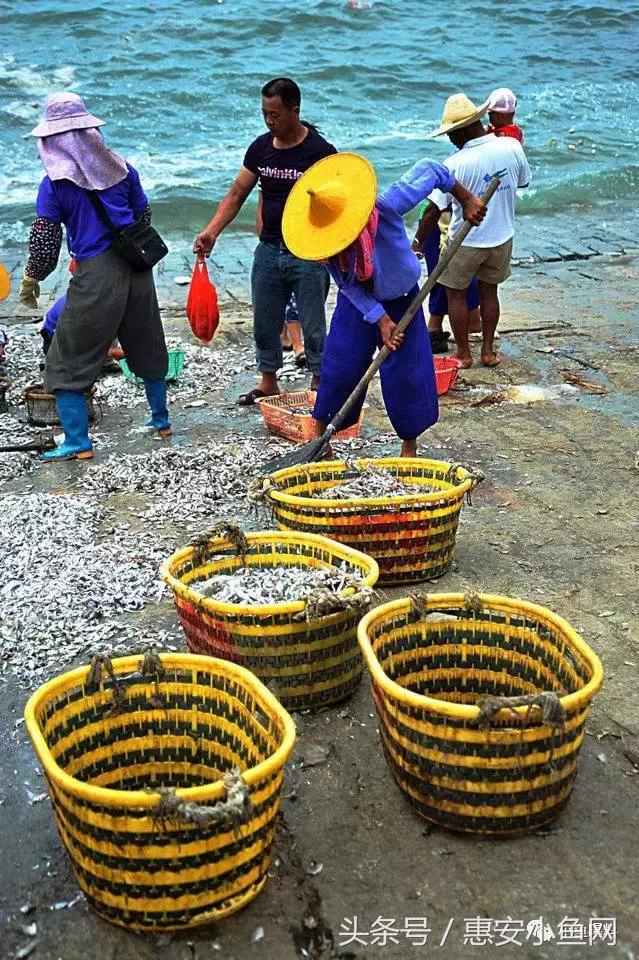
<point>115,741</point>
<point>412,538</point>
<point>482,705</point>
<point>307,664</point>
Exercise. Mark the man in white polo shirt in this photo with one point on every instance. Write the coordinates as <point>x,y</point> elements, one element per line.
<point>487,250</point>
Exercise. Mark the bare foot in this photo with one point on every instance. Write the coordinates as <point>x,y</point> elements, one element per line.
<point>465,360</point>
<point>489,358</point>
<point>268,385</point>
<point>409,448</point>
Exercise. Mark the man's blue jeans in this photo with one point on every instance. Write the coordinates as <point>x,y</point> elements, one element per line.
<point>275,275</point>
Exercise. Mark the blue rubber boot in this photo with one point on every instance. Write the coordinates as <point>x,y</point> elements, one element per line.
<point>74,417</point>
<point>156,395</point>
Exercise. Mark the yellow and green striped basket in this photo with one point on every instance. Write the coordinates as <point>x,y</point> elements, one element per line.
<point>412,538</point>
<point>482,705</point>
<point>306,663</point>
<point>165,784</point>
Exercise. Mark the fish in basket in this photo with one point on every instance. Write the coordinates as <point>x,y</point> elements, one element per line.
<point>408,527</point>
<point>482,704</point>
<point>303,646</point>
<point>165,775</point>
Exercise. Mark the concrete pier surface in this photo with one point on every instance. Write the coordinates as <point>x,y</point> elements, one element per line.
<point>555,430</point>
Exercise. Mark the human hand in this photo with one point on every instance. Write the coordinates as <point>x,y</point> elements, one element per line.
<point>29,292</point>
<point>474,210</point>
<point>391,339</point>
<point>203,244</point>
<point>417,249</point>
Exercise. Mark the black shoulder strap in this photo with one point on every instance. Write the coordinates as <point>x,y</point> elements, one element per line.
<point>99,208</point>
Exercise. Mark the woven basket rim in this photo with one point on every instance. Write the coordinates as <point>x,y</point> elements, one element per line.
<point>276,399</point>
<point>192,596</point>
<point>464,711</point>
<point>454,493</point>
<point>141,799</point>
<point>36,391</point>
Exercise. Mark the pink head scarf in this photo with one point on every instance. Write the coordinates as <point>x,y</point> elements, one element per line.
<point>357,260</point>
<point>83,157</point>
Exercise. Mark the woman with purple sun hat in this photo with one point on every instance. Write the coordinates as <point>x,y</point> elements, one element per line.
<point>95,193</point>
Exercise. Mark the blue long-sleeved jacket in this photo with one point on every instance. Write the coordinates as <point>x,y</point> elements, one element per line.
<point>396,269</point>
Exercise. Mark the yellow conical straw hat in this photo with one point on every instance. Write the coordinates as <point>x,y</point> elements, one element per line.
<point>329,206</point>
<point>5,282</point>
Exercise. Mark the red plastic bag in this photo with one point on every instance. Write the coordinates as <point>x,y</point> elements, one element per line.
<point>201,304</point>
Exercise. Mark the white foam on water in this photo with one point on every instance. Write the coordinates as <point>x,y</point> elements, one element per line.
<point>32,81</point>
<point>186,168</point>
<point>532,393</point>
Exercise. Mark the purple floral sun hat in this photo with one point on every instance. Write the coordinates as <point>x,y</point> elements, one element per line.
<point>65,111</point>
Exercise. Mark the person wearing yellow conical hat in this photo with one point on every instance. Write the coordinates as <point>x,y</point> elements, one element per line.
<point>334,214</point>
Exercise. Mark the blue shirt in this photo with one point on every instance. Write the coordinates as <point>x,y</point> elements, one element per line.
<point>87,235</point>
<point>396,269</point>
<point>53,315</point>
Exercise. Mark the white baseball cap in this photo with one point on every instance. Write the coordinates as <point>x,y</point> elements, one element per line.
<point>502,100</point>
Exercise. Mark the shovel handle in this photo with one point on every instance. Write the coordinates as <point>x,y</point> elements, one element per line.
<point>419,298</point>
<point>27,448</point>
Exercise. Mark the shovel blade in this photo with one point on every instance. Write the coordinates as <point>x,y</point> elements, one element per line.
<point>305,453</point>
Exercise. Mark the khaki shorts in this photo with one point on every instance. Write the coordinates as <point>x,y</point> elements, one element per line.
<point>490,264</point>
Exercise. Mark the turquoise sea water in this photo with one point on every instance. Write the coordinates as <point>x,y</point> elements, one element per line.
<point>178,82</point>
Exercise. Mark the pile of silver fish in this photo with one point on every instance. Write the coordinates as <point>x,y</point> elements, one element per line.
<point>264,585</point>
<point>63,578</point>
<point>80,566</point>
<point>371,482</point>
<point>205,371</point>
<point>22,365</point>
<point>190,486</point>
<point>12,432</point>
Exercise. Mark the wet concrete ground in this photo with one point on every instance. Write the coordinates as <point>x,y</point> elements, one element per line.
<point>555,522</point>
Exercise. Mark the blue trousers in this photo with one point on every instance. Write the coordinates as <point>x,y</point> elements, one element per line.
<point>407,376</point>
<point>291,314</point>
<point>438,301</point>
<point>276,274</point>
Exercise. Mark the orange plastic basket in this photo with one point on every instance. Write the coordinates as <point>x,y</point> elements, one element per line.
<point>289,415</point>
<point>446,370</point>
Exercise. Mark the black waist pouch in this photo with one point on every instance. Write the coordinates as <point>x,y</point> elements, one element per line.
<point>139,243</point>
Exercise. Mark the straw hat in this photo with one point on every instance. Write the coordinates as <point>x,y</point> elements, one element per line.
<point>459,111</point>
<point>63,112</point>
<point>329,206</point>
<point>5,283</point>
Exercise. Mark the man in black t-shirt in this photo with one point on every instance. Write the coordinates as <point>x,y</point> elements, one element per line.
<point>277,159</point>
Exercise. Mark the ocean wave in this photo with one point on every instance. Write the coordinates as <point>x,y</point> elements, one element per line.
<point>179,85</point>
<point>586,189</point>
<point>31,81</point>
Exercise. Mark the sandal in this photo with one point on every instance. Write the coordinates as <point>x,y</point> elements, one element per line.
<point>248,399</point>
<point>300,359</point>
